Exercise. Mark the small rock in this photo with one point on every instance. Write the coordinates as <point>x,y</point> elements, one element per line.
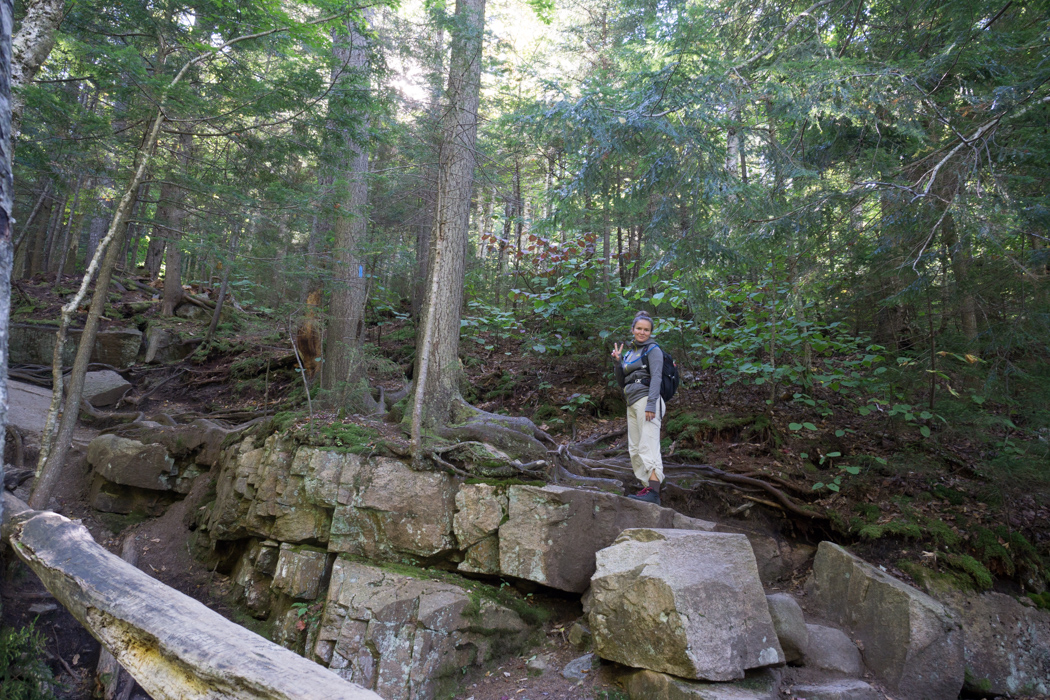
<point>789,624</point>
<point>42,608</point>
<point>830,649</point>
<point>537,665</point>
<point>105,388</point>
<point>580,637</point>
<point>577,669</point>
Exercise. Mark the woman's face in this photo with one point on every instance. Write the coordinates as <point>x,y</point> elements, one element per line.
<point>642,330</point>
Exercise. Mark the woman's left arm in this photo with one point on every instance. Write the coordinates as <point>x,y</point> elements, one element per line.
<point>656,373</point>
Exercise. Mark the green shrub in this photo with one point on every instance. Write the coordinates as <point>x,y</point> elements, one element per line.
<point>23,673</point>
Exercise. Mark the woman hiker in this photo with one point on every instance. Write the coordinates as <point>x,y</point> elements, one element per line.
<point>645,408</point>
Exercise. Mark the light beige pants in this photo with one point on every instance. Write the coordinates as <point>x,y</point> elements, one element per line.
<point>643,440</point>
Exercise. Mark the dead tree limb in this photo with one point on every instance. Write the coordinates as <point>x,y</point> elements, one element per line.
<point>172,645</point>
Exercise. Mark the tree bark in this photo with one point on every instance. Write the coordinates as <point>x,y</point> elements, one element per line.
<point>173,253</point>
<point>30,48</point>
<point>430,178</point>
<point>341,375</point>
<point>6,203</point>
<point>225,286</point>
<point>437,352</point>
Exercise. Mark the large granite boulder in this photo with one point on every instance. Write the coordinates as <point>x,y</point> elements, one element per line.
<point>687,603</point>
<point>403,636</point>
<point>650,685</point>
<point>1007,644</point>
<point>552,533</point>
<point>105,387</point>
<point>911,642</point>
<point>131,463</point>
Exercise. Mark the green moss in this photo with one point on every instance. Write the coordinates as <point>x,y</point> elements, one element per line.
<point>691,456</point>
<point>894,528</point>
<point>1041,600</point>
<point>868,511</point>
<point>956,498</point>
<point>942,533</point>
<point>345,437</point>
<point>983,685</point>
<point>973,569</point>
<point>690,428</point>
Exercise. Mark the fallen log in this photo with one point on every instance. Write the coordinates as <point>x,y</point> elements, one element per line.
<point>172,645</point>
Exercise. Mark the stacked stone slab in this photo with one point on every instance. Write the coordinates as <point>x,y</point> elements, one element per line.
<point>401,636</point>
<point>911,642</point>
<point>685,603</point>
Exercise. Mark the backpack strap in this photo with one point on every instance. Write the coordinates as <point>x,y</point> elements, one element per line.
<point>645,353</point>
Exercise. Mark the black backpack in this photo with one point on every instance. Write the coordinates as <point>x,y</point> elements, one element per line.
<point>669,380</point>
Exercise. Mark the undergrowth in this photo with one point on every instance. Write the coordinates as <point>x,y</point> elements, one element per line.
<point>23,673</point>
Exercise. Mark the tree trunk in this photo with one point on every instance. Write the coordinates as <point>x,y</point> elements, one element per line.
<point>430,179</point>
<point>56,258</point>
<point>31,251</point>
<point>225,286</point>
<point>341,374</point>
<point>159,239</point>
<point>55,444</point>
<point>30,48</point>
<point>173,254</point>
<point>437,353</point>
<point>6,203</point>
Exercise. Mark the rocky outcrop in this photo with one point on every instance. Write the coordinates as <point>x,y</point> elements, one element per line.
<point>911,642</point>
<point>401,636</point>
<point>552,533</point>
<point>1007,644</point>
<point>389,512</point>
<point>34,344</point>
<point>681,602</point>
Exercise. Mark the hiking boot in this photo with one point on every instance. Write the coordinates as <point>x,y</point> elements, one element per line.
<point>648,495</point>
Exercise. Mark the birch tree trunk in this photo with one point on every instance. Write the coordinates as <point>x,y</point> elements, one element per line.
<point>341,374</point>
<point>6,202</point>
<point>437,355</point>
<point>30,48</point>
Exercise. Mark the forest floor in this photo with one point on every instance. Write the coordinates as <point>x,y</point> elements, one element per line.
<point>968,504</point>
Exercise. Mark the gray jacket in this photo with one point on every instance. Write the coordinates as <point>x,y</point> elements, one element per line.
<point>635,380</point>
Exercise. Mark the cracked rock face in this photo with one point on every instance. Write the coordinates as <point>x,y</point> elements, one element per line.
<point>400,636</point>
<point>687,603</point>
